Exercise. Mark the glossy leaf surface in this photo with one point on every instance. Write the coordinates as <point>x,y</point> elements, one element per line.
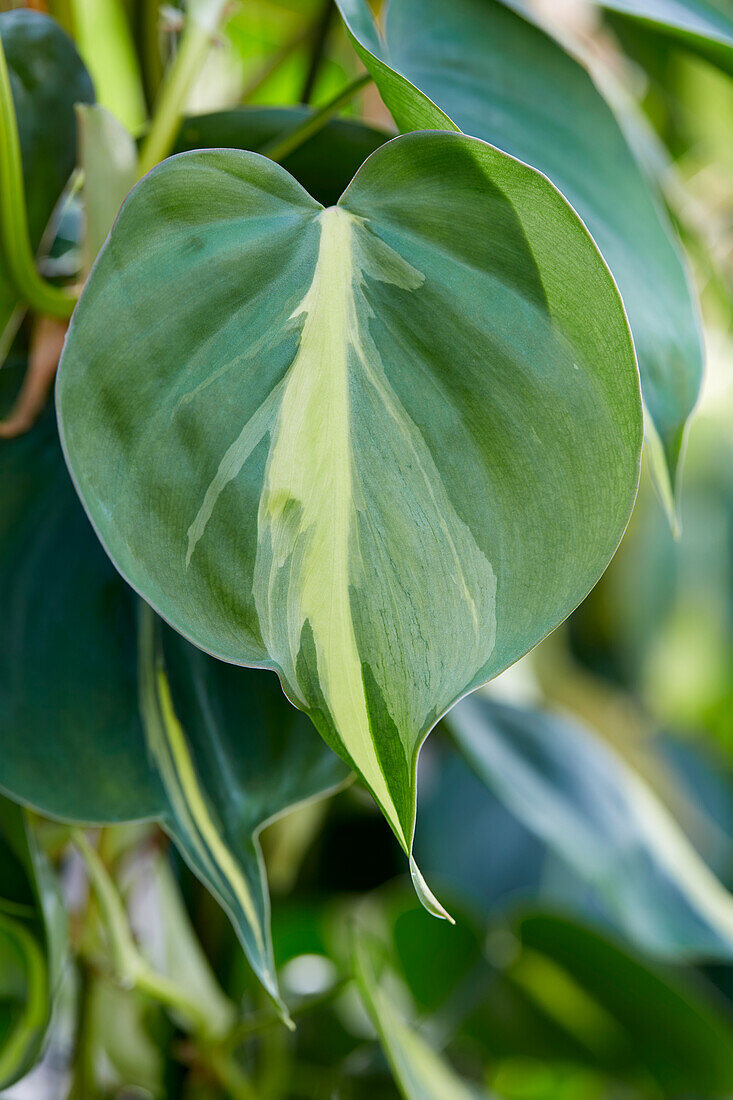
<point>360,436</point>
<point>218,751</point>
<point>31,938</point>
<point>47,78</point>
<point>495,75</point>
<point>589,807</point>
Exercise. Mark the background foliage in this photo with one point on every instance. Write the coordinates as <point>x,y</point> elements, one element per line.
<point>186,869</point>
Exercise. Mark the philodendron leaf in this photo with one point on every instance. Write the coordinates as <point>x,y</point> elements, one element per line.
<point>47,78</point>
<point>419,1071</point>
<point>382,448</point>
<point>31,939</point>
<point>598,815</point>
<point>218,751</point>
<point>493,74</point>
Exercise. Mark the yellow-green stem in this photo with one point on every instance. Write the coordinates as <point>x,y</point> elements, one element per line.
<point>14,237</point>
<point>178,81</point>
<point>131,968</point>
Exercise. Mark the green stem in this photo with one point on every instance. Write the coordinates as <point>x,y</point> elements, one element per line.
<point>283,145</point>
<point>131,968</point>
<point>14,236</point>
<point>83,1084</point>
<point>322,31</point>
<point>228,1074</point>
<point>178,81</point>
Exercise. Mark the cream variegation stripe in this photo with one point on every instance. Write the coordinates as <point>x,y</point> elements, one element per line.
<point>169,748</point>
<point>308,564</point>
<point>311,463</point>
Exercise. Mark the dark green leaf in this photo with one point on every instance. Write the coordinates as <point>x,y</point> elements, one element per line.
<point>324,164</point>
<point>495,75</point>
<point>220,751</point>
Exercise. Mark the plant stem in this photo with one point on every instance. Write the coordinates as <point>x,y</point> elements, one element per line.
<point>83,1085</point>
<point>283,145</point>
<point>131,968</point>
<point>196,38</point>
<point>228,1074</point>
<point>14,237</point>
<point>322,30</point>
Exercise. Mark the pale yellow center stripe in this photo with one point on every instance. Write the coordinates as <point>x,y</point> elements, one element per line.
<point>168,745</point>
<point>311,463</point>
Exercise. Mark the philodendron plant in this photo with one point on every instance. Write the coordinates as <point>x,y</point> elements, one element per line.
<point>348,418</point>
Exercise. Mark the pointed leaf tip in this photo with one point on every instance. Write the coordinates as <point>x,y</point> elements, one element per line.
<point>426,895</point>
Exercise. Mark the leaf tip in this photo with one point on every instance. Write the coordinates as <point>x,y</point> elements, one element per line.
<point>426,895</point>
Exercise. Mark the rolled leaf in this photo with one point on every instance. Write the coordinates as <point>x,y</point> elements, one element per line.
<point>381,448</point>
<point>217,751</point>
<point>477,66</point>
<point>589,807</point>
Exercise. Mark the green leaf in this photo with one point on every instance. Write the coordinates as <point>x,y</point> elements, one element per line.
<point>218,752</point>
<point>358,436</point>
<point>493,74</point>
<point>589,807</point>
<point>683,1037</point>
<point>419,1071</point>
<point>324,164</point>
<point>704,26</point>
<point>31,943</point>
<point>47,78</point>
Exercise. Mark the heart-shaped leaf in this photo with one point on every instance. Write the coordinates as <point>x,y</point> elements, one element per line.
<point>599,816</point>
<point>32,934</point>
<point>382,448</point>
<point>47,78</point>
<point>218,751</point>
<point>495,75</point>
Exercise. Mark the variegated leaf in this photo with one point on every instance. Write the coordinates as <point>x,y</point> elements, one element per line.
<point>382,448</point>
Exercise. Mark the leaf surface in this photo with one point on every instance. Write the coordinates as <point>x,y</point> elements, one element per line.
<point>217,751</point>
<point>589,807</point>
<point>47,78</point>
<point>477,66</point>
<point>361,436</point>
